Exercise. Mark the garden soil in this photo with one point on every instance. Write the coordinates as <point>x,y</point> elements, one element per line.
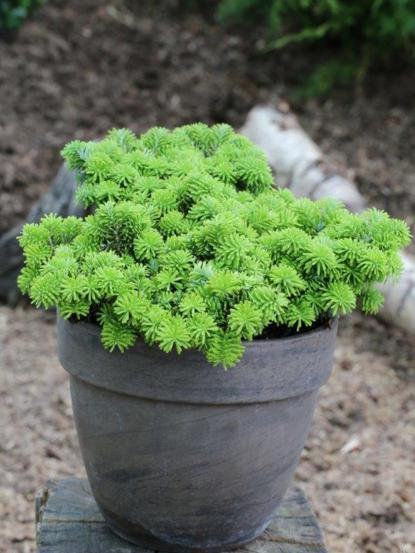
<point>79,68</point>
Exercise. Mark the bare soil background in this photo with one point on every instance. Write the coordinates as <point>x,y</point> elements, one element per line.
<point>79,68</point>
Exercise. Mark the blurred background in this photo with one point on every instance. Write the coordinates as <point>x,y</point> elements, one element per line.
<point>74,69</point>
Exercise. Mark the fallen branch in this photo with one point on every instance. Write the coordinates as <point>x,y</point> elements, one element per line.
<point>300,165</point>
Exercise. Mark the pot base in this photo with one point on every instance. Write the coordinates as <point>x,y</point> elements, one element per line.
<point>154,544</point>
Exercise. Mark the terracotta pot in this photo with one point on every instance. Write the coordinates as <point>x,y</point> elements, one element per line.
<point>182,456</point>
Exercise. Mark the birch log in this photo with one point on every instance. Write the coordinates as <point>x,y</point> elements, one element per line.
<point>299,164</point>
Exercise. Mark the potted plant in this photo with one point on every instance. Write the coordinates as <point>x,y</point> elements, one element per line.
<point>188,263</point>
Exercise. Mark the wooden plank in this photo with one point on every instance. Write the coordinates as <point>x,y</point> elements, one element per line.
<point>68,521</point>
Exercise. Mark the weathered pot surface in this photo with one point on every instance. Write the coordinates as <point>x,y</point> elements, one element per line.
<point>183,456</point>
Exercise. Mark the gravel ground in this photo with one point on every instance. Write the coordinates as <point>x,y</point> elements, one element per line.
<point>358,466</point>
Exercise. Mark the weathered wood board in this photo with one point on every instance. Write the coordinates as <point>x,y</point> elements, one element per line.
<point>68,521</point>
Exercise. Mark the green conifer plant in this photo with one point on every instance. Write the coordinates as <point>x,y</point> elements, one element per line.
<point>188,244</point>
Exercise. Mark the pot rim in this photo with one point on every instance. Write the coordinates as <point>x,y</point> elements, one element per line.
<point>269,369</point>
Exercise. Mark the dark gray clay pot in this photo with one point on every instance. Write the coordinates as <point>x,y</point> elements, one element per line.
<point>182,456</point>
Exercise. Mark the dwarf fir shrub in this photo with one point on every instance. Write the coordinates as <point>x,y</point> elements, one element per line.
<point>189,245</point>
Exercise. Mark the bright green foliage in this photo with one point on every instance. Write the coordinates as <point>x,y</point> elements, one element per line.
<point>189,245</point>
<point>366,31</point>
<point>14,12</point>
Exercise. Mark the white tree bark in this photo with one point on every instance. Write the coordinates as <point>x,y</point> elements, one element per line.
<point>299,164</point>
